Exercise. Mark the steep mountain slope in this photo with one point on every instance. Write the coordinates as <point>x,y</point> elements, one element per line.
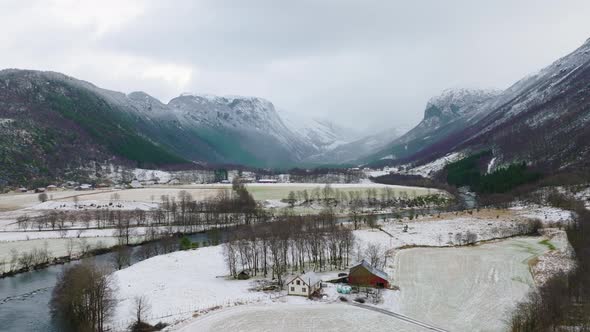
<point>444,115</point>
<point>542,119</point>
<point>245,130</point>
<point>52,124</point>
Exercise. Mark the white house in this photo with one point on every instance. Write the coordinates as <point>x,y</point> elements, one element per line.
<point>304,285</point>
<point>135,184</point>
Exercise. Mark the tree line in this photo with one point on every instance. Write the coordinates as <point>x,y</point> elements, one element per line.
<point>368,198</point>
<point>292,242</point>
<point>562,303</point>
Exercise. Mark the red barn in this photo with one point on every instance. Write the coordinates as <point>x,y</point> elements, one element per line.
<point>364,274</point>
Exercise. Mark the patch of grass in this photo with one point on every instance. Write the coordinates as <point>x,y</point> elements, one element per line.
<point>548,244</point>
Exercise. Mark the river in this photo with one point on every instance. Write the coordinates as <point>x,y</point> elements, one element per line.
<point>24,298</point>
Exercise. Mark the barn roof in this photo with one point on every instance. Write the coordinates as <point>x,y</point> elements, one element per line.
<point>371,269</point>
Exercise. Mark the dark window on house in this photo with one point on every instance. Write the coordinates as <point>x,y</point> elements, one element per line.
<point>298,282</point>
<point>303,289</point>
<point>292,289</point>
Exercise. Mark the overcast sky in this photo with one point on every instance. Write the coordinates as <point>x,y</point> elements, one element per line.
<point>362,63</point>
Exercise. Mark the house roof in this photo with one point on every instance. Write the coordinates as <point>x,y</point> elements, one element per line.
<point>371,269</point>
<point>310,278</point>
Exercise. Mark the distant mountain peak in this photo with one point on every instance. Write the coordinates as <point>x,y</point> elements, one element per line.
<point>461,96</point>
<point>456,103</point>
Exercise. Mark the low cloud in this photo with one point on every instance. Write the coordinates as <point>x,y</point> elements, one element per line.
<point>365,64</point>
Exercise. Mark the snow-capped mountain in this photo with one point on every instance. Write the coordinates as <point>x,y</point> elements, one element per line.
<point>542,119</point>
<point>322,134</point>
<point>138,128</point>
<point>250,124</point>
<point>445,114</point>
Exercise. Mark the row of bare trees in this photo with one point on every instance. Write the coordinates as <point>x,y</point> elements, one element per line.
<point>290,243</point>
<point>370,197</point>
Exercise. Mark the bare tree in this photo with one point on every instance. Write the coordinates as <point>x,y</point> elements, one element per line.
<point>122,257</point>
<point>141,309</point>
<point>375,253</point>
<point>70,247</point>
<point>83,298</point>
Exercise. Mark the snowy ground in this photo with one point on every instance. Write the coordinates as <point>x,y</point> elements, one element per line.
<point>260,191</point>
<point>448,230</point>
<point>95,204</point>
<point>298,317</point>
<point>179,284</point>
<point>549,216</point>
<point>466,288</point>
<point>559,259</point>
<point>11,236</point>
<point>56,247</point>
<point>460,289</point>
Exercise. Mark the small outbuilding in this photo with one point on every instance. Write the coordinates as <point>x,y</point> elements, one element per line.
<point>304,285</point>
<point>135,184</point>
<point>243,275</point>
<point>84,186</point>
<point>363,274</point>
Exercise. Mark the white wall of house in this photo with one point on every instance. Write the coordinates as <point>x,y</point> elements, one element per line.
<point>298,287</point>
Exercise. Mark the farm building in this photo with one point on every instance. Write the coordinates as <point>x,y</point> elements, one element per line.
<point>304,285</point>
<point>135,184</point>
<point>243,275</point>
<point>267,181</point>
<point>364,274</point>
<point>84,186</point>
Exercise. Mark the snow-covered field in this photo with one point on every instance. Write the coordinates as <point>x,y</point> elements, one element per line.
<point>260,191</point>
<point>95,204</point>
<point>179,284</point>
<point>298,317</point>
<point>56,247</point>
<point>448,230</point>
<point>467,288</point>
<point>548,215</point>
<point>460,289</point>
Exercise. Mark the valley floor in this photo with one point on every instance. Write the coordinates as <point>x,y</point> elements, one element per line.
<point>469,288</point>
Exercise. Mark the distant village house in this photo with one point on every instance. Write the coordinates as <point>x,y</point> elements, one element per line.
<point>84,186</point>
